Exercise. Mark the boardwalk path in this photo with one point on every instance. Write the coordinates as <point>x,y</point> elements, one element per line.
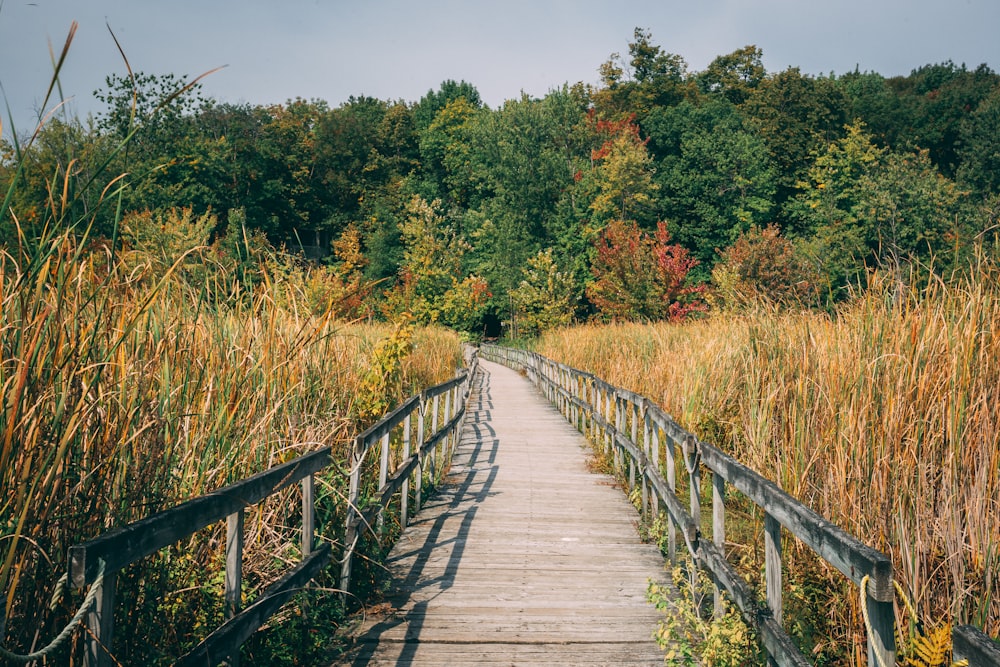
<point>525,557</point>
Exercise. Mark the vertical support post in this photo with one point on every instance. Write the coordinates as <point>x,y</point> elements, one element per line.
<point>632,463</point>
<point>670,452</point>
<point>654,448</point>
<point>619,427</point>
<point>234,563</point>
<point>383,476</point>
<point>882,641</point>
<point>351,527</point>
<point>308,514</point>
<point>404,500</point>
<point>645,450</point>
<point>420,454</point>
<point>608,420</point>
<point>444,445</point>
<point>101,621</point>
<point>772,565</point>
<point>434,427</point>
<point>692,463</point>
<point>718,529</point>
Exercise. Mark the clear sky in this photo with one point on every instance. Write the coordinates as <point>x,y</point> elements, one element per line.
<point>276,50</point>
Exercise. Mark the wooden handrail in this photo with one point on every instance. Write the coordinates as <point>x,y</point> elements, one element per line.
<point>972,644</point>
<point>129,544</point>
<point>614,414</point>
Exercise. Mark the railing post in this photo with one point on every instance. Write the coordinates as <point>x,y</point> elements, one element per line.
<point>383,476</point>
<point>619,426</point>
<point>308,514</point>
<point>420,454</point>
<point>882,640</point>
<point>234,573</point>
<point>434,427</point>
<point>101,622</point>
<point>772,565</point>
<point>351,527</point>
<point>634,436</point>
<point>692,463</point>
<point>669,451</point>
<point>444,445</point>
<point>608,421</point>
<point>404,500</point>
<point>234,563</point>
<point>645,450</point>
<point>718,529</point>
<point>654,448</point>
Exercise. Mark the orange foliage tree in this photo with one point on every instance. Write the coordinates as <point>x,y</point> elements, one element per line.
<point>642,276</point>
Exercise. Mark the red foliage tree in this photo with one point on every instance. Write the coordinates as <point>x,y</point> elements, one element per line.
<point>639,276</point>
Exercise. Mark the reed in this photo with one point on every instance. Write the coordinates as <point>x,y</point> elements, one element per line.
<point>882,417</point>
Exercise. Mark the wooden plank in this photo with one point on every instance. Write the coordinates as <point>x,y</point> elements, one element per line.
<point>524,556</point>
<point>974,645</point>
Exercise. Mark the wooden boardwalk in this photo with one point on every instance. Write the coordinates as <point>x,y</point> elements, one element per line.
<point>525,557</point>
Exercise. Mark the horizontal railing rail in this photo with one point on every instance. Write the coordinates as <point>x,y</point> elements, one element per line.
<point>639,436</point>
<point>406,445</point>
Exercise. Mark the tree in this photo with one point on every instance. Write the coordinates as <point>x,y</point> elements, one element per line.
<point>765,267</point>
<point>638,276</point>
<point>716,178</point>
<point>979,147</point>
<point>796,116</point>
<point>652,77</point>
<point>734,76</point>
<point>622,176</point>
<point>432,285</point>
<point>546,297</point>
<point>865,206</point>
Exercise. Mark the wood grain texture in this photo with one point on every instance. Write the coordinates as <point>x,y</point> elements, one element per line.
<point>524,557</point>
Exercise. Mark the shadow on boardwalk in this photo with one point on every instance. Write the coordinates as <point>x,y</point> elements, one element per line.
<point>523,557</point>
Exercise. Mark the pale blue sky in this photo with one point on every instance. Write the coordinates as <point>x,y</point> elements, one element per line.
<point>398,49</point>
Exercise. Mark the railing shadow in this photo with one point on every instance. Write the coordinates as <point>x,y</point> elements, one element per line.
<point>469,483</point>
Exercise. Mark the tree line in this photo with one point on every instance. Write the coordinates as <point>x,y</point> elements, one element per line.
<point>658,193</point>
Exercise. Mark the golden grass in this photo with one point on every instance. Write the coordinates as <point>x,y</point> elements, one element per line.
<point>125,390</point>
<point>884,418</point>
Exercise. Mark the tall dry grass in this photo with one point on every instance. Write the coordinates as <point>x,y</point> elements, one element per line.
<point>124,389</point>
<point>884,418</point>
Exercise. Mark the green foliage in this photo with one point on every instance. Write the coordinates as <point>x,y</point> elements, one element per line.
<point>865,206</point>
<point>688,638</point>
<point>716,178</point>
<point>546,297</point>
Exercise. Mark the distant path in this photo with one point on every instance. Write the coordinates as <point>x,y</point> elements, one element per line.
<point>524,558</point>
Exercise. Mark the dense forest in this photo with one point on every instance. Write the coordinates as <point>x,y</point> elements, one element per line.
<point>656,194</point>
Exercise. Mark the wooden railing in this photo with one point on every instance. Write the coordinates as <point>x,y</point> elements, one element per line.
<point>410,454</point>
<point>613,417</point>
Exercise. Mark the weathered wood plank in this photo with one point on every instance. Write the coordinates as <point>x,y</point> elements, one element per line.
<point>525,557</point>
<point>974,645</point>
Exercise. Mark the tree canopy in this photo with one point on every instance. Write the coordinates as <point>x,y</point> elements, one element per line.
<point>529,211</point>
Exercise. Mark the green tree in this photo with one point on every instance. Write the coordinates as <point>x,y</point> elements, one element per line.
<point>651,77</point>
<point>621,178</point>
<point>864,206</point>
<point>716,178</point>
<point>796,115</point>
<point>979,148</point>
<point>734,76</point>
<point>546,297</point>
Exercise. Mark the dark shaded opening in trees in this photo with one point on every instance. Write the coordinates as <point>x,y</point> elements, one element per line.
<point>491,325</point>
